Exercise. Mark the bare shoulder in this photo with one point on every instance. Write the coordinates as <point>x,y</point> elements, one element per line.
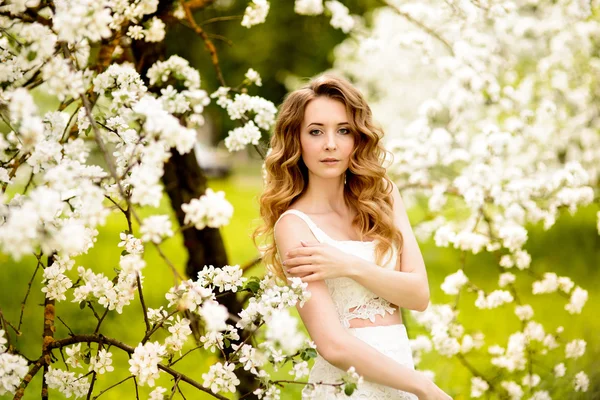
<point>290,230</point>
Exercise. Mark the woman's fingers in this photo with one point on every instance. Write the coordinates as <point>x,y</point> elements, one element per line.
<point>312,278</point>
<point>302,270</point>
<point>291,262</point>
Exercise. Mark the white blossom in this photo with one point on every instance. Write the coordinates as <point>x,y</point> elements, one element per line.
<point>478,387</point>
<point>144,362</point>
<point>13,369</point>
<point>221,378</point>
<point>253,77</point>
<point>155,228</point>
<point>454,282</point>
<point>101,362</point>
<point>239,137</point>
<point>340,16</point>
<point>256,13</point>
<point>211,210</point>
<point>308,7</point>
<point>158,393</point>
<point>581,382</point>
<point>560,370</point>
<point>67,382</point>
<point>575,348</point>
<point>578,299</point>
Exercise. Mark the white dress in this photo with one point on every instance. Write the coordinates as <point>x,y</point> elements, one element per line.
<point>353,300</point>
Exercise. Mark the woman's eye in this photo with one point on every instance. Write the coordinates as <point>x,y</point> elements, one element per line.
<point>344,131</point>
<point>314,130</point>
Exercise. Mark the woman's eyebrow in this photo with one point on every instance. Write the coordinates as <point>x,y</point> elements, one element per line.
<point>320,124</point>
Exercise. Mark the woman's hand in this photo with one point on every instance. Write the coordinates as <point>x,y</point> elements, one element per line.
<point>315,261</point>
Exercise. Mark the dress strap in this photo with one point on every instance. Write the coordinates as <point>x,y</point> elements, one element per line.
<point>319,234</point>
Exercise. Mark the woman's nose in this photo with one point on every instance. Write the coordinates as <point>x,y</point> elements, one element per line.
<point>330,141</point>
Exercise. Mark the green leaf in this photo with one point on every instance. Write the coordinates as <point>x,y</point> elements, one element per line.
<point>349,388</point>
<point>253,284</point>
<point>308,353</point>
<point>82,305</point>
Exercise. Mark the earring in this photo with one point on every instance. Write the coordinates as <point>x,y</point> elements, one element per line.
<point>344,178</point>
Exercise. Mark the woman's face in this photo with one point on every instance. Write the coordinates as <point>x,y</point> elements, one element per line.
<point>325,133</point>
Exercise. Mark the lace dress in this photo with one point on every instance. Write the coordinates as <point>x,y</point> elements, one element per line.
<point>353,300</point>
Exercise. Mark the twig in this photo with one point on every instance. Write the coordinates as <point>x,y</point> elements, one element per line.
<point>89,395</point>
<point>145,311</point>
<point>112,386</point>
<point>187,6</point>
<point>186,353</point>
<point>66,326</point>
<point>100,321</point>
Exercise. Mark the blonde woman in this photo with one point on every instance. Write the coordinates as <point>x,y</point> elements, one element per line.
<point>339,223</point>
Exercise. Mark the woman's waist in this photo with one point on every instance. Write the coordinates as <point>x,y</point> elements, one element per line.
<point>372,319</point>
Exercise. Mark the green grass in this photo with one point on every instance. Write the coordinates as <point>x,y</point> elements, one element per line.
<point>569,248</point>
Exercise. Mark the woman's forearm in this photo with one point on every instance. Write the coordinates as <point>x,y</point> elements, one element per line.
<point>404,289</point>
<point>375,366</point>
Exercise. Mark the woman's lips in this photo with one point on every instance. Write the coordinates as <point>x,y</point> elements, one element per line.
<point>330,162</point>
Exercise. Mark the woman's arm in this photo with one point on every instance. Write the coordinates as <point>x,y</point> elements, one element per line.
<point>407,286</point>
<point>334,343</point>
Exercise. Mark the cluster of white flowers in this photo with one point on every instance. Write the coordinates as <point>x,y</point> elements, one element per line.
<point>220,378</point>
<point>214,315</point>
<point>55,282</point>
<point>264,116</point>
<point>189,295</point>
<point>272,297</point>
<point>353,377</point>
<point>478,387</point>
<point>253,77</point>
<point>282,332</point>
<point>272,392</point>
<point>108,294</point>
<point>67,382</point>
<point>160,124</point>
<point>581,382</point>
<point>552,283</point>
<point>153,31</point>
<point>101,362</point>
<point>79,19</point>
<point>159,392</point>
<point>155,228</point>
<point>575,348</point>
<point>211,210</point>
<point>251,358</point>
<point>256,13</point>
<point>308,7</point>
<point>62,80</point>
<point>144,362</point>
<point>228,277</point>
<point>240,137</point>
<point>454,282</point>
<point>494,299</point>
<point>132,244</point>
<point>176,69</point>
<point>340,16</point>
<point>122,83</point>
<point>13,368</point>
<point>180,331</point>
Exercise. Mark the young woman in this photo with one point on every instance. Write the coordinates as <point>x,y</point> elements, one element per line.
<point>340,224</point>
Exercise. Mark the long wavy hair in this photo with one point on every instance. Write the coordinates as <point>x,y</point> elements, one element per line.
<point>367,188</point>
